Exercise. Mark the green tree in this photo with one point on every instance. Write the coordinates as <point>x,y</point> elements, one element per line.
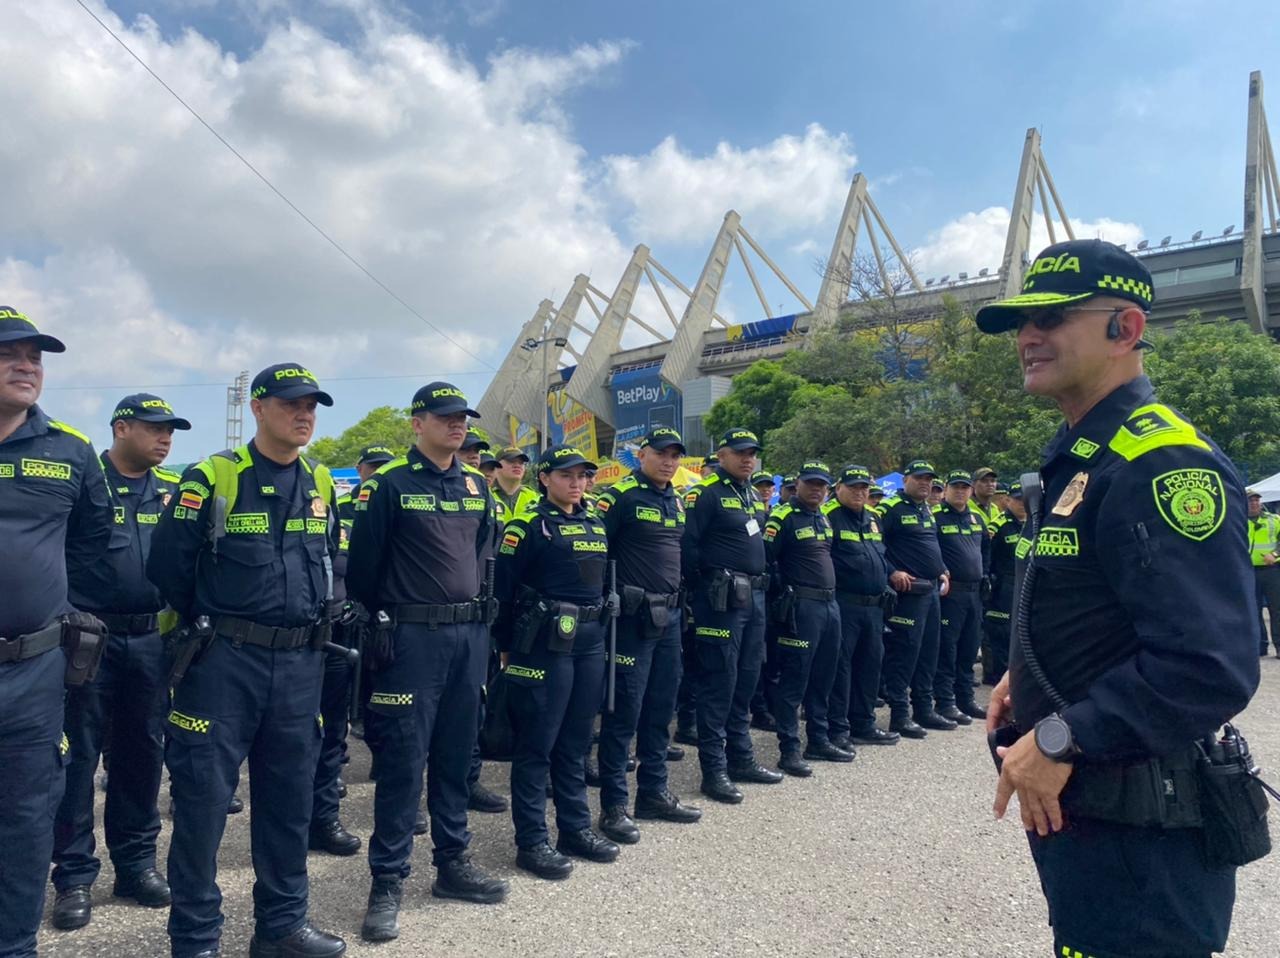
<point>383,426</point>
<point>1225,379</point>
<point>759,400</point>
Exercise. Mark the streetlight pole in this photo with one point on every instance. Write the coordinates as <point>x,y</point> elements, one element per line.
<point>532,344</point>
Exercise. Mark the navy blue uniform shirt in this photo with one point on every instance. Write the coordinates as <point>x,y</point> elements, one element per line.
<point>1004,546</point>
<point>857,549</point>
<point>1142,604</point>
<point>962,537</point>
<point>910,539</point>
<point>797,542</point>
<point>644,525</point>
<point>54,516</point>
<point>724,527</point>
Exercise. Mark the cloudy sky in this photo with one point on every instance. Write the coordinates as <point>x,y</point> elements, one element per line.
<point>476,155</point>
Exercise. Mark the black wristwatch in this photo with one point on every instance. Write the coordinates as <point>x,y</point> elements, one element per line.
<point>1053,738</point>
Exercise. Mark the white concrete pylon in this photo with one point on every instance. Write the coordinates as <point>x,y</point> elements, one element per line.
<point>530,391</point>
<point>494,404</point>
<point>1260,183</point>
<point>681,362</point>
<point>1033,178</point>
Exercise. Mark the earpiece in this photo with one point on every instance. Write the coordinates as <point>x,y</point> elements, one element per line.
<point>1113,326</point>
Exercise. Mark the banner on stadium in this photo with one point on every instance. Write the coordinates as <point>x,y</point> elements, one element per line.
<point>762,329</point>
<point>641,401</point>
<point>569,423</point>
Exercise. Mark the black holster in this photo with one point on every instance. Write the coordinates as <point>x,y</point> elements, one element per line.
<point>564,628</point>
<point>532,614</point>
<point>719,585</point>
<point>1156,793</point>
<point>183,645</point>
<point>84,637</point>
<point>782,607</point>
<point>1233,802</point>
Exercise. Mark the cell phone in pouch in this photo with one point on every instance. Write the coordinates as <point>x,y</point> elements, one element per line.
<point>1002,737</point>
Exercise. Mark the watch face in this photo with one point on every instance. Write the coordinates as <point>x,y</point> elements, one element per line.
<point>1054,737</point>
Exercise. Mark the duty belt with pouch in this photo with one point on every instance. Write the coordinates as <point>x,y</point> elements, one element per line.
<point>536,611</point>
<point>240,631</point>
<point>654,608</point>
<point>1155,793</point>
<point>126,624</point>
<point>28,646</point>
<point>921,586</point>
<point>821,595</point>
<point>732,590</point>
<point>434,616</point>
<point>84,637</point>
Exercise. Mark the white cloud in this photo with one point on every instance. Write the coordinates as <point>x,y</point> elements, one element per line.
<point>976,240</point>
<point>788,185</point>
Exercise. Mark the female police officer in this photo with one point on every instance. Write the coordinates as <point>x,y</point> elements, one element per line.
<point>550,631</point>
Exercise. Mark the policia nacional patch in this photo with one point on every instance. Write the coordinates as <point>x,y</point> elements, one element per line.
<point>1192,501</point>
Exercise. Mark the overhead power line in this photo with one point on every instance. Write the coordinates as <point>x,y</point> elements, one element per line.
<point>274,189</point>
<point>222,384</point>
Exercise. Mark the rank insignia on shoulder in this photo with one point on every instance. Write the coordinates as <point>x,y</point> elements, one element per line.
<point>1071,496</point>
<point>318,508</point>
<point>471,486</point>
<point>1192,501</point>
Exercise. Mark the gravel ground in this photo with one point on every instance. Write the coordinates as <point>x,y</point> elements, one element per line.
<point>894,856</point>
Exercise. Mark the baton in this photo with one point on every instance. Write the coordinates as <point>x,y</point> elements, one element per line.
<point>612,682</point>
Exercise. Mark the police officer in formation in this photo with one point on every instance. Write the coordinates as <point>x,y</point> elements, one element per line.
<point>762,483</point>
<point>962,535</point>
<point>473,447</point>
<point>1127,656</point>
<point>643,517</point>
<point>802,578</point>
<point>245,521</point>
<point>862,591</point>
<point>128,696</point>
<point>724,566</point>
<point>1264,541</point>
<point>999,607</point>
<point>553,613</point>
<point>54,514</point>
<point>424,528</point>
<point>984,501</point>
<point>918,574</point>
<point>512,495</point>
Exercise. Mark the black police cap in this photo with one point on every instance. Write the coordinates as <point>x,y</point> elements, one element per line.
<point>487,461</point>
<point>959,477</point>
<point>512,454</point>
<point>563,457</point>
<point>919,467</point>
<point>15,326</point>
<point>815,469</point>
<point>662,437</point>
<point>475,440</point>
<point>144,407</point>
<point>856,475</point>
<point>739,440</point>
<point>760,477</point>
<point>441,399</point>
<point>375,455</point>
<point>288,381</point>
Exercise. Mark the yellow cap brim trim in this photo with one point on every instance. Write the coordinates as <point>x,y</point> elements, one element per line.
<point>1003,316</point>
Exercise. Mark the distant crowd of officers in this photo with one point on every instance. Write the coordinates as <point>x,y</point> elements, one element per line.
<point>223,610</point>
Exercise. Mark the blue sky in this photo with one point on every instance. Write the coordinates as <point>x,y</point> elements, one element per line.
<point>552,138</point>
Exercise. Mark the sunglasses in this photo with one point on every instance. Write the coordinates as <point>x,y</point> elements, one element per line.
<point>1054,316</point>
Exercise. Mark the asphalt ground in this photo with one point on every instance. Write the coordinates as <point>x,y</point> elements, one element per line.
<point>896,855</point>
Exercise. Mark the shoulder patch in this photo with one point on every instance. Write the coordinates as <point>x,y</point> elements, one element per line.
<point>1084,448</point>
<point>1192,501</point>
<point>1153,427</point>
<point>393,464</point>
<point>625,483</point>
<point>69,430</point>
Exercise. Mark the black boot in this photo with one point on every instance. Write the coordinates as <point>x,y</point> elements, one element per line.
<point>827,752</point>
<point>932,720</point>
<point>587,844</point>
<point>716,786</point>
<point>764,721</point>
<point>974,710</point>
<point>955,715</point>
<point>791,763</point>
<point>685,735</point>
<point>592,772</point>
<point>147,887</point>
<point>906,728</point>
<point>72,908</point>
<point>482,799</point>
<point>875,736</point>
<point>307,942</point>
<point>755,773</point>
<point>459,878</point>
<point>617,824</point>
<point>675,753</point>
<point>342,788</point>
<point>331,837</point>
<point>420,824</point>
<point>382,916</point>
<point>666,806</point>
<point>235,806</point>
<point>544,861</point>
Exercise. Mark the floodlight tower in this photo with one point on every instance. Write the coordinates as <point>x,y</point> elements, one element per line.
<point>236,394</point>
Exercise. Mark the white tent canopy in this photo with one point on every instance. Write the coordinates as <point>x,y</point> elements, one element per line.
<point>1268,488</point>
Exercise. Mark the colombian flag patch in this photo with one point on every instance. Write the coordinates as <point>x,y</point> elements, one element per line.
<point>191,500</point>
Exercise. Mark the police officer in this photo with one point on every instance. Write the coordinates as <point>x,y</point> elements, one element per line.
<point>327,831</point>
<point>786,490</point>
<point>709,463</point>
<point>54,514</point>
<point>862,583</point>
<point>917,573</point>
<point>797,541</point>
<point>244,522</point>
<point>762,483</point>
<point>423,529</point>
<point>1126,653</point>
<point>723,561</point>
<point>644,518</point>
<point>128,695</point>
<point>986,487</point>
<point>1264,531</point>
<point>962,536</point>
<point>875,496</point>
<point>937,489</point>
<point>473,447</point>
<point>550,629</point>
<point>513,497</point>
<point>999,608</point>
<point>489,468</point>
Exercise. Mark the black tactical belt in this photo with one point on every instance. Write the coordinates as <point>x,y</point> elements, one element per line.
<point>590,613</point>
<point>29,646</point>
<point>965,586</point>
<point>267,636</point>
<point>129,624</point>
<point>456,614</point>
<point>857,598</point>
<point>757,581</point>
<point>822,595</point>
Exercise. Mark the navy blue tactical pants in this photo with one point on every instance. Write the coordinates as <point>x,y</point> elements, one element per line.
<point>801,657</point>
<point>821,619</point>
<point>1119,891</point>
<point>335,702</point>
<point>852,708</point>
<point>31,785</point>
<point>423,712</point>
<point>996,623</point>
<point>730,650</point>
<point>961,634</point>
<point>554,697</point>
<point>648,676</point>
<point>127,696</point>
<point>687,693</point>
<point>233,703</point>
<point>911,654</point>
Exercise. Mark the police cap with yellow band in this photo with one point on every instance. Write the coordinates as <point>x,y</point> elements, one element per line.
<point>144,407</point>
<point>739,440</point>
<point>441,399</point>
<point>475,440</point>
<point>1072,272</point>
<point>919,467</point>
<point>288,381</point>
<point>761,478</point>
<point>959,477</point>
<point>662,437</point>
<point>856,476</point>
<point>15,326</point>
<point>375,456</point>
<point>563,457</point>
<point>815,469</point>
